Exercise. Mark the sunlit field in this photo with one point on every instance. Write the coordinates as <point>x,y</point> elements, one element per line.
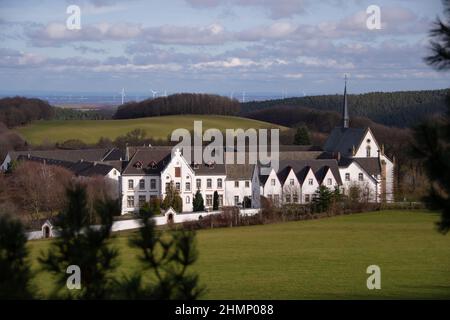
<point>316,259</point>
<point>90,131</point>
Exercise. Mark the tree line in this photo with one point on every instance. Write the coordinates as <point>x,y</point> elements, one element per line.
<point>399,109</point>
<point>18,111</point>
<point>183,103</point>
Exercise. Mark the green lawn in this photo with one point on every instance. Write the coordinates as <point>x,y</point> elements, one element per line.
<point>90,131</point>
<point>317,259</point>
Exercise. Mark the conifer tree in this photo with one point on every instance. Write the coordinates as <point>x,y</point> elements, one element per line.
<point>166,259</point>
<point>14,269</point>
<point>198,204</point>
<point>432,139</point>
<point>80,244</point>
<point>215,201</point>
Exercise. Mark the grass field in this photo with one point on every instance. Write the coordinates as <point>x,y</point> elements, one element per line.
<point>90,131</point>
<point>317,259</point>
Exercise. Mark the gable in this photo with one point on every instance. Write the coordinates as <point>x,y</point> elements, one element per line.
<point>368,141</point>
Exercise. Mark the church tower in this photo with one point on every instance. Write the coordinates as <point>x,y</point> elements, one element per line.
<point>345,118</point>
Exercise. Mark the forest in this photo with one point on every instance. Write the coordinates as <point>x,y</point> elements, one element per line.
<point>183,103</point>
<point>400,109</point>
<point>17,111</point>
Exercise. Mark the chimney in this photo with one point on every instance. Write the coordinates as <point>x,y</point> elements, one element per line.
<point>338,156</point>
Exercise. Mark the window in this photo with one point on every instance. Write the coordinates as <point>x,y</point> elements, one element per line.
<point>347,177</point>
<point>307,198</point>
<point>209,200</point>
<point>220,200</point>
<point>288,198</point>
<point>141,201</point>
<point>141,184</point>
<point>368,152</point>
<point>219,183</point>
<point>360,177</point>
<point>167,186</point>
<point>291,182</point>
<point>178,186</point>
<point>247,184</point>
<point>236,184</point>
<point>130,184</point>
<point>188,199</point>
<point>199,183</point>
<point>295,197</point>
<point>130,201</point>
<point>209,183</point>
<point>270,197</point>
<point>277,198</point>
<point>272,182</point>
<point>153,184</point>
<point>310,182</point>
<point>236,200</point>
<point>188,186</point>
<point>329,181</point>
<point>177,172</point>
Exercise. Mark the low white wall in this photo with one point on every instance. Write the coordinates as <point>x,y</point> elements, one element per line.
<point>159,221</point>
<point>33,235</point>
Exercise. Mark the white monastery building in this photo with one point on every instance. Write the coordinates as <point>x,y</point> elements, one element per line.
<point>349,157</point>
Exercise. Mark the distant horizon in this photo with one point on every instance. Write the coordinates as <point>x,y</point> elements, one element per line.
<point>217,46</point>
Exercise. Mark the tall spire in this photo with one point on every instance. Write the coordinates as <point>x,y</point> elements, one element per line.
<point>345,118</point>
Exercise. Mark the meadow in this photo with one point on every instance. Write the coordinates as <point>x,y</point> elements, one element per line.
<point>315,259</point>
<point>90,131</point>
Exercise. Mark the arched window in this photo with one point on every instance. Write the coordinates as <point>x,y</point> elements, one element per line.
<point>360,177</point>
<point>368,151</point>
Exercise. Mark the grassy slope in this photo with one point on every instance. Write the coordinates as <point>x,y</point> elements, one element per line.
<point>157,127</point>
<point>316,259</point>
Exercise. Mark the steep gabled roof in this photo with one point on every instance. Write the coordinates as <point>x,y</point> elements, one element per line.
<point>148,161</point>
<point>343,139</point>
<point>283,174</point>
<point>263,179</point>
<point>317,166</point>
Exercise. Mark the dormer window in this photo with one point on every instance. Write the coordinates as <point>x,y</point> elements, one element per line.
<point>152,165</point>
<point>195,165</point>
<point>138,164</point>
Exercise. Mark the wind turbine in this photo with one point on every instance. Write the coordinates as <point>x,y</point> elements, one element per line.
<point>154,93</point>
<point>123,95</point>
<point>243,97</point>
<point>231,95</point>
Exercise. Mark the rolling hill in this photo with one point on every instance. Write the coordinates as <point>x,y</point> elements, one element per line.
<point>90,131</point>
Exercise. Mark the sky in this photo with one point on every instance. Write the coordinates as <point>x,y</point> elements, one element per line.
<point>293,47</point>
